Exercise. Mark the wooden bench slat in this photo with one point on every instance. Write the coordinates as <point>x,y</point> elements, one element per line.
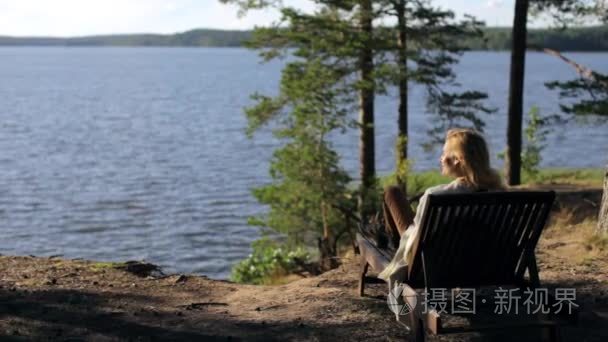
<point>472,241</point>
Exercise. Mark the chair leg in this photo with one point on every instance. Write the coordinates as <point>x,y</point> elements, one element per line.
<point>533,272</point>
<point>551,334</point>
<point>364,266</point>
<point>417,333</point>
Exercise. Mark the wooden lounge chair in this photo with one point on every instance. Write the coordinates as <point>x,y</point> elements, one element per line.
<point>471,241</point>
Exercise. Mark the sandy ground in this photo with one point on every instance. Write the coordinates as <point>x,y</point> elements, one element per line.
<point>74,300</point>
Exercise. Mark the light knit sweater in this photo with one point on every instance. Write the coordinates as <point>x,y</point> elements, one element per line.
<point>396,269</point>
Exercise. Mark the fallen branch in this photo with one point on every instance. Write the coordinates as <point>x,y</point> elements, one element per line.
<point>193,306</point>
<point>582,70</point>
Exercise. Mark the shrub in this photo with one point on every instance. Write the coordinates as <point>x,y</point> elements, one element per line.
<point>268,260</point>
<point>536,135</point>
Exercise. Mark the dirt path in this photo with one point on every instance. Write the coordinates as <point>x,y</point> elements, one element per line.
<point>71,300</point>
<point>59,299</point>
<point>54,299</point>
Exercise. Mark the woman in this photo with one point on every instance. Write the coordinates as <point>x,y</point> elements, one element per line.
<point>465,158</point>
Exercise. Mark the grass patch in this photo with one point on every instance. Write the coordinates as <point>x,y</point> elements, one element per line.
<point>597,242</point>
<point>588,262</point>
<point>419,181</point>
<point>582,177</point>
<point>579,243</point>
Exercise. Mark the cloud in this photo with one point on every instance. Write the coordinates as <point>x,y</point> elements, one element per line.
<point>494,3</point>
<point>77,17</point>
<point>89,17</point>
<point>171,6</point>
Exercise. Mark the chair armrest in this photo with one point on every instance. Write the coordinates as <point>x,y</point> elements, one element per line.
<point>371,254</point>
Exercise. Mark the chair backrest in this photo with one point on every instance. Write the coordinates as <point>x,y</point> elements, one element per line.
<point>478,239</point>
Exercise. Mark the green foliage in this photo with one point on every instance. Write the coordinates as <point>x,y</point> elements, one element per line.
<point>587,96</point>
<point>198,37</point>
<point>433,41</point>
<point>582,177</point>
<point>589,38</point>
<point>308,184</point>
<point>586,38</point>
<point>404,166</point>
<point>319,89</point>
<point>417,182</point>
<point>331,74</point>
<point>374,197</point>
<point>536,135</point>
<point>454,110</point>
<point>597,241</point>
<point>565,13</point>
<point>267,260</point>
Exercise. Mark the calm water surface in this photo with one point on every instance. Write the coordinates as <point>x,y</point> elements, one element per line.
<point>140,153</point>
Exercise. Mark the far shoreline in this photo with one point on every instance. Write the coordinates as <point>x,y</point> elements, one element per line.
<point>241,47</point>
<point>495,38</point>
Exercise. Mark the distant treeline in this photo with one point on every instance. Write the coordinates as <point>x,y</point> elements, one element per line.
<point>574,39</point>
<point>593,38</point>
<point>201,37</point>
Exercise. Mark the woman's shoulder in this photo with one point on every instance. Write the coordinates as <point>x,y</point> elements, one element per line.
<point>454,186</point>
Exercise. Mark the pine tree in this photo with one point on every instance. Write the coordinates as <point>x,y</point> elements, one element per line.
<point>367,90</point>
<point>317,92</point>
<point>338,61</point>
<point>427,44</point>
<point>564,13</point>
<point>516,93</point>
<point>587,96</point>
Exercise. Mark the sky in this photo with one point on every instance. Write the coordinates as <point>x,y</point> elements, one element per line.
<point>63,18</point>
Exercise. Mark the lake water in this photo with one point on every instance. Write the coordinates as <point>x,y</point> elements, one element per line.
<point>140,153</point>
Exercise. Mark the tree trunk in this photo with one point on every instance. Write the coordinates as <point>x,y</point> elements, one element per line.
<point>402,121</point>
<point>516,94</point>
<point>328,260</point>
<point>602,221</point>
<point>366,112</point>
<point>327,244</point>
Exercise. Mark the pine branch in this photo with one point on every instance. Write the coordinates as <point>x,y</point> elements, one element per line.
<point>582,70</point>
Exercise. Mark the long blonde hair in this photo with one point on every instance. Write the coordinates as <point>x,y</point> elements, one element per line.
<point>472,151</point>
